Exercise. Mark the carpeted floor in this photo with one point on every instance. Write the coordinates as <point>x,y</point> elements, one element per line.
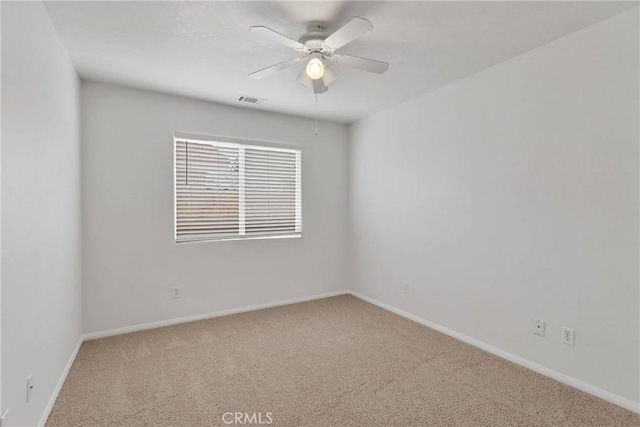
<point>332,362</point>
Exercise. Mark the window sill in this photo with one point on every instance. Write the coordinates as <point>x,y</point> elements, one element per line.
<point>231,239</point>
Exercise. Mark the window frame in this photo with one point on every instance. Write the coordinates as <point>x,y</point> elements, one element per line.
<point>241,144</point>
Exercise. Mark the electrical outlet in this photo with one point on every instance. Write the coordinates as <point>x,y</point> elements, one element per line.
<point>538,327</point>
<point>29,387</point>
<point>4,419</point>
<point>405,288</point>
<point>176,292</point>
<point>567,336</point>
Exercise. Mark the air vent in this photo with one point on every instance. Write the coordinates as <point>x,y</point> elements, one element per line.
<point>250,99</point>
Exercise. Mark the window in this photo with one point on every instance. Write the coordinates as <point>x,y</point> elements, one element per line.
<point>227,190</point>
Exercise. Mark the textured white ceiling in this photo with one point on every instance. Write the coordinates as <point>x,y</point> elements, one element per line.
<point>205,50</point>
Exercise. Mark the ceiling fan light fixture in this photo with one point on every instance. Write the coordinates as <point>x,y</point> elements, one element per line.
<point>315,67</point>
<point>315,49</point>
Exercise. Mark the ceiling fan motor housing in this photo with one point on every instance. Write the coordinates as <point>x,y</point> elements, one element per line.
<point>314,31</point>
<point>313,40</point>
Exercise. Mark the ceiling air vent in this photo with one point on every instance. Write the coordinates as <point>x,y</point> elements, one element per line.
<point>250,99</point>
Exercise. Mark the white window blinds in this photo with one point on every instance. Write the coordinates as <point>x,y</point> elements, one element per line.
<point>229,191</point>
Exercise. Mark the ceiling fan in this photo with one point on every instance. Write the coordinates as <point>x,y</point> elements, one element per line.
<point>318,49</point>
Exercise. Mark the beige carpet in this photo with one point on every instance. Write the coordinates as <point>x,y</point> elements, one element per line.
<point>332,362</point>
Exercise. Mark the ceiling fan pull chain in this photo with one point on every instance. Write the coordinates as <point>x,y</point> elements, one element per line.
<point>316,114</point>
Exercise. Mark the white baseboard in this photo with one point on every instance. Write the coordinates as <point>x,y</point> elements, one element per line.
<point>161,323</point>
<point>565,379</point>
<point>63,377</point>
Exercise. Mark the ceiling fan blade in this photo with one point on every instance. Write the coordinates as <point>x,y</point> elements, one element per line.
<point>348,32</point>
<point>365,64</point>
<point>277,37</point>
<point>304,79</point>
<point>318,86</point>
<point>329,76</point>
<point>273,68</point>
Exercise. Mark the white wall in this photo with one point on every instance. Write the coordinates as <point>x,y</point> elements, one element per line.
<point>131,262</point>
<point>41,294</point>
<point>511,195</point>
<point>1,406</point>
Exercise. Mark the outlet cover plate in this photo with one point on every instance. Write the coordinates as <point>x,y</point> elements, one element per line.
<point>405,288</point>
<point>4,418</point>
<point>567,336</point>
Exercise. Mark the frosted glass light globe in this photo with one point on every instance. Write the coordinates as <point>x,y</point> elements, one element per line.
<point>315,68</point>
